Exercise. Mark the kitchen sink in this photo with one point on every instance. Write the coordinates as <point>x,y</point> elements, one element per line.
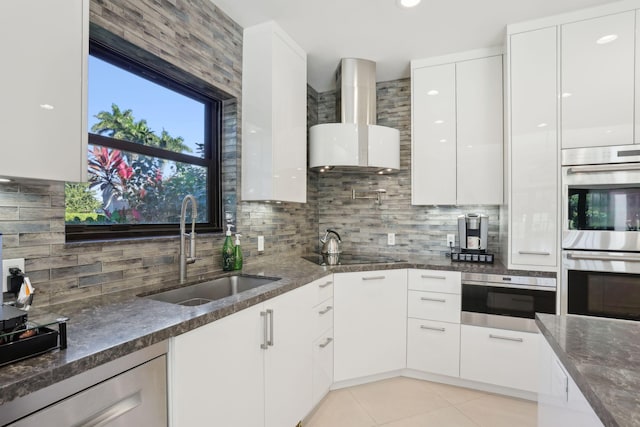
<point>202,293</point>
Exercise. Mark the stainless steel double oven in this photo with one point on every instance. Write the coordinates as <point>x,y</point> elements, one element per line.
<point>601,232</point>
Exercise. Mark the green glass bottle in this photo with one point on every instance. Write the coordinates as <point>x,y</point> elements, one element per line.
<point>227,251</point>
<point>237,254</point>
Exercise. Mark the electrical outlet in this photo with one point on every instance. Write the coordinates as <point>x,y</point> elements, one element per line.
<point>260,243</point>
<point>6,265</point>
<point>391,239</point>
<point>451,240</point>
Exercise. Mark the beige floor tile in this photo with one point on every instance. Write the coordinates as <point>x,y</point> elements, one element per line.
<point>340,409</point>
<point>499,411</point>
<point>443,417</point>
<point>397,398</point>
<point>455,395</point>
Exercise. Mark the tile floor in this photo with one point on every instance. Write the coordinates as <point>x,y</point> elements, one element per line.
<point>406,402</point>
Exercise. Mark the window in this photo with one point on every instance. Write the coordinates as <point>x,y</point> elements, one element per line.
<point>152,140</point>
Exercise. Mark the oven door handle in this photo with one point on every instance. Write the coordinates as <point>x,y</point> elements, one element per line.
<point>627,258</point>
<point>603,168</point>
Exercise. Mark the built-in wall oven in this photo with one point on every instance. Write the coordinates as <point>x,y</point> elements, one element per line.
<point>505,301</point>
<point>601,232</point>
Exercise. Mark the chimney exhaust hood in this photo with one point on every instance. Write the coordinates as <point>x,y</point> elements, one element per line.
<point>356,144</point>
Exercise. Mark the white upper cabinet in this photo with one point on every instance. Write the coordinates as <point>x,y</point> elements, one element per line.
<point>433,153</point>
<point>598,81</point>
<point>457,131</point>
<point>274,116</point>
<point>479,137</point>
<point>533,201</point>
<point>43,116</point>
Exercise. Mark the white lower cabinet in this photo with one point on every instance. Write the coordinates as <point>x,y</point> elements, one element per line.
<point>252,368</point>
<point>322,348</point>
<point>500,357</point>
<point>433,347</point>
<point>369,323</point>
<point>560,402</point>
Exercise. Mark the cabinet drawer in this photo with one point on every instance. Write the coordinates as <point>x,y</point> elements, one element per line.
<point>501,357</point>
<point>434,306</point>
<point>324,288</point>
<point>435,281</point>
<point>433,347</point>
<point>322,366</point>
<point>322,317</point>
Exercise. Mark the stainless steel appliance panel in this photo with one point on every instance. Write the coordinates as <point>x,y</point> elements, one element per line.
<point>602,284</point>
<point>137,397</point>
<point>601,198</point>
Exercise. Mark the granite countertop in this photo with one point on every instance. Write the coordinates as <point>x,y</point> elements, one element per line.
<point>110,326</point>
<point>603,358</point>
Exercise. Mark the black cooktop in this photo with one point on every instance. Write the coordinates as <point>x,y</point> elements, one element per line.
<point>350,259</point>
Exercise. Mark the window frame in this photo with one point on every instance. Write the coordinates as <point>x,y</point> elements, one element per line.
<point>212,151</point>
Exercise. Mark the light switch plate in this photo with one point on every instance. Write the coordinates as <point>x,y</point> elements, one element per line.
<point>6,265</point>
<point>260,243</point>
<point>391,239</point>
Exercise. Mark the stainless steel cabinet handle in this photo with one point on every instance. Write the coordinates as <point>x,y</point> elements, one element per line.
<point>270,313</point>
<point>374,278</point>
<point>431,328</point>
<point>428,276</point>
<point>433,299</point>
<point>629,258</point>
<point>326,310</point>
<point>604,168</point>
<point>533,253</point>
<point>265,332</point>
<point>325,284</point>
<point>326,343</point>
<point>500,337</point>
<point>109,414</point>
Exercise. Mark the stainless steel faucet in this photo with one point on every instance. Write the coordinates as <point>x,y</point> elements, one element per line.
<point>191,258</point>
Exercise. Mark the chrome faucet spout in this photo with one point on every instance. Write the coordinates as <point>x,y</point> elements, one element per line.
<point>189,258</point>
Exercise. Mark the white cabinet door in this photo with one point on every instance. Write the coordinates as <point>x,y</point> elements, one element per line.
<point>534,169</point>
<point>479,131</point>
<point>369,323</point>
<point>500,357</point>
<point>433,153</point>
<point>288,359</point>
<point>43,114</point>
<point>274,108</point>
<point>434,306</point>
<point>322,366</point>
<point>433,347</point>
<point>217,374</point>
<point>598,81</point>
<point>448,282</point>
<point>560,402</point>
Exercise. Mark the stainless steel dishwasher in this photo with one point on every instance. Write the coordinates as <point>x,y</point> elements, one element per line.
<point>135,396</point>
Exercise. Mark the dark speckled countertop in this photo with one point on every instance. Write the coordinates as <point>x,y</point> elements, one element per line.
<point>104,328</point>
<point>603,358</point>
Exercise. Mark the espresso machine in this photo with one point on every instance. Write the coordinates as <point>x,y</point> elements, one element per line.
<point>473,235</point>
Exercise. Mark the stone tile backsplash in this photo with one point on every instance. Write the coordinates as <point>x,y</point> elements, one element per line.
<point>363,224</point>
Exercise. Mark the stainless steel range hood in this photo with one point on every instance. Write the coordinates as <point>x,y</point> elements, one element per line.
<point>356,144</point>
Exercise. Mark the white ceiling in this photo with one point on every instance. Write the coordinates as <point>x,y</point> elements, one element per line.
<point>391,36</point>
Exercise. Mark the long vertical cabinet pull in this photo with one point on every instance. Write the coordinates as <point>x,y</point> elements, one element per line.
<point>270,313</point>
<point>263,315</point>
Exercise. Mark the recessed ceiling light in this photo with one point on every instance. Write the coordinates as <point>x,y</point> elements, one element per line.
<point>380,172</point>
<point>542,125</point>
<point>408,3</point>
<point>607,39</point>
<point>566,94</point>
<point>432,92</point>
<point>389,170</point>
<point>5,180</point>
<point>443,140</point>
<point>46,106</point>
<point>439,122</point>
